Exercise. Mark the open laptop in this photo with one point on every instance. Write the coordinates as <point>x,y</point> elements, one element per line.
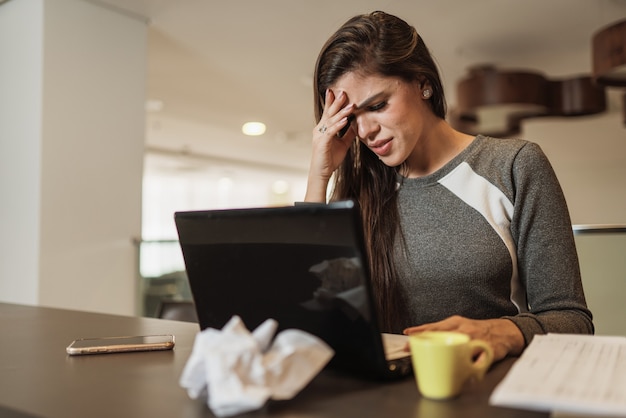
<point>304,266</point>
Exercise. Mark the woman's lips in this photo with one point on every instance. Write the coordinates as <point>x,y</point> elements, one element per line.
<point>382,147</point>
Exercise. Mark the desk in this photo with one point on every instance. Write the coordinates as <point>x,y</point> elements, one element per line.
<point>38,379</point>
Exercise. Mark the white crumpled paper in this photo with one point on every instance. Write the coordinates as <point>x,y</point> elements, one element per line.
<point>240,371</point>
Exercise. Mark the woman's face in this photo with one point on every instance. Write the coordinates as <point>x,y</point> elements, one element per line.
<point>390,114</point>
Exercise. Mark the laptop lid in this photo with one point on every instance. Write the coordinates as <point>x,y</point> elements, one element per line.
<point>304,265</point>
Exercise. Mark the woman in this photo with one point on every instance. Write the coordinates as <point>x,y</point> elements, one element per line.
<point>464,233</point>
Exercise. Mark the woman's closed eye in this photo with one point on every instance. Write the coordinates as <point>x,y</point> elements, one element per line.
<point>377,107</point>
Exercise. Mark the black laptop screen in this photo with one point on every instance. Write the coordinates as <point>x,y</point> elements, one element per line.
<point>293,265</point>
<point>299,285</point>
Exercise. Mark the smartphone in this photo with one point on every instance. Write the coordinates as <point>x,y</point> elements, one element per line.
<point>343,130</point>
<point>120,344</point>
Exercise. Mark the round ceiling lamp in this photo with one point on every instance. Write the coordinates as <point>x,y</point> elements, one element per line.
<point>253,128</point>
<point>609,55</point>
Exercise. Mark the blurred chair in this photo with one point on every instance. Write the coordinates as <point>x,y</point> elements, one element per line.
<point>177,310</point>
<point>170,286</point>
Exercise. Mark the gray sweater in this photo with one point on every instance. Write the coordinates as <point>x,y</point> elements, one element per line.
<point>488,236</point>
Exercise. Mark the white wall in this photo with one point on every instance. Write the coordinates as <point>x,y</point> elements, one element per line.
<point>21,47</point>
<point>589,157</point>
<point>74,154</point>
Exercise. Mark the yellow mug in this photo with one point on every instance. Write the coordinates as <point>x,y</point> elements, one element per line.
<point>444,361</point>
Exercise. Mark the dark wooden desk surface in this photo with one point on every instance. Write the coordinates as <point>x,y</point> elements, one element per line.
<point>38,379</point>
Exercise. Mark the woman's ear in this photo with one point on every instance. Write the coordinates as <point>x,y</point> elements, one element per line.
<point>424,88</point>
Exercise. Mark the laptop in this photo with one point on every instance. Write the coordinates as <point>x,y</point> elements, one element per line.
<point>304,266</point>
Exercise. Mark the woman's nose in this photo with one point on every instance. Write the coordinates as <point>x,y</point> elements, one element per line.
<point>366,126</point>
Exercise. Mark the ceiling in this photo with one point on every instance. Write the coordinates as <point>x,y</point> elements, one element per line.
<point>217,64</point>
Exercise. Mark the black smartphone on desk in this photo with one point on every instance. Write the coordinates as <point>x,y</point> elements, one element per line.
<point>105,345</point>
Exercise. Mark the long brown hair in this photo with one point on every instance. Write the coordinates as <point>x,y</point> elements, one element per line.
<point>375,44</point>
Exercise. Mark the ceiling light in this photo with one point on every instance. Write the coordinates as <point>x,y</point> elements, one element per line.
<point>253,128</point>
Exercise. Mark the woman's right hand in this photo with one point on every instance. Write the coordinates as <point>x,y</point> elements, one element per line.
<point>329,150</point>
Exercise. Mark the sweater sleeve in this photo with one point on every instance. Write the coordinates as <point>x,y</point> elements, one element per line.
<point>547,257</point>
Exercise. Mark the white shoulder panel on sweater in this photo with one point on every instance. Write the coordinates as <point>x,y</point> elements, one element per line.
<point>495,207</point>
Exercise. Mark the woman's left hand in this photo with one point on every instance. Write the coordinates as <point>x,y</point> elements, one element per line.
<point>502,334</point>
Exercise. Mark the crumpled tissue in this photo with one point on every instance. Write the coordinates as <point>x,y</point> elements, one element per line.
<point>240,371</point>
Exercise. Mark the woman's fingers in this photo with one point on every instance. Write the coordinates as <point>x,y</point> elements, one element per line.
<point>335,115</point>
<point>502,334</point>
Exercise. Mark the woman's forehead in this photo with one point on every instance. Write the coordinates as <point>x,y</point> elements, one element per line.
<point>360,87</point>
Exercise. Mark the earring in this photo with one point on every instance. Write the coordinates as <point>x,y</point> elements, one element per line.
<point>426,94</point>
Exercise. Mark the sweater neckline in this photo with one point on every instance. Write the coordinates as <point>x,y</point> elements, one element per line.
<point>443,171</point>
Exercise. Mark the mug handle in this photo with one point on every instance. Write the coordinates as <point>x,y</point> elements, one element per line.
<point>484,360</point>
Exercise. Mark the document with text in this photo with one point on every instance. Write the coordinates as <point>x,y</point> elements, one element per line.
<point>583,374</point>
